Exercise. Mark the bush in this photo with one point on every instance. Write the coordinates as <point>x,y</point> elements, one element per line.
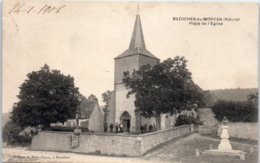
<point>11,135</point>
<point>186,120</point>
<point>235,111</point>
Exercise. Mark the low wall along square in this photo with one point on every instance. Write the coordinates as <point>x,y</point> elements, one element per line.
<point>107,144</point>
<point>242,130</point>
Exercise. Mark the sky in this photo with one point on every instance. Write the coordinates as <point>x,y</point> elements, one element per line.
<point>83,39</point>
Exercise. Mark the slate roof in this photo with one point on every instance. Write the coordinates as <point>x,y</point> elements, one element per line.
<point>137,44</point>
<point>86,108</point>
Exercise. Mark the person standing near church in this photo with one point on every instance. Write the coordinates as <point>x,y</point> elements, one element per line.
<point>146,128</point>
<point>111,127</point>
<point>154,127</point>
<point>150,128</point>
<point>116,127</point>
<point>121,127</point>
<point>142,129</point>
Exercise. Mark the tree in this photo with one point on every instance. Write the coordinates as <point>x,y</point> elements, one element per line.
<point>92,98</point>
<point>253,98</point>
<point>167,87</point>
<point>235,111</point>
<point>208,99</point>
<point>46,97</point>
<point>107,96</point>
<point>82,98</point>
<point>83,103</point>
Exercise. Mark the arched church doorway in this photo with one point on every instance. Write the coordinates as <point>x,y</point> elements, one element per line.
<point>125,120</point>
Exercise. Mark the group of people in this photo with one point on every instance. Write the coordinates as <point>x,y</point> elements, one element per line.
<point>148,128</point>
<point>117,127</point>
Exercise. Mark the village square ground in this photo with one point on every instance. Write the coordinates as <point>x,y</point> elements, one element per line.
<point>177,150</point>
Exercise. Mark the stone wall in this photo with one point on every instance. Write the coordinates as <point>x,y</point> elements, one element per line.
<point>110,144</point>
<point>52,141</point>
<point>242,130</point>
<point>151,140</point>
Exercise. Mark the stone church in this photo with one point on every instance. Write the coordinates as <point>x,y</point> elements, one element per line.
<point>122,109</point>
<point>133,58</point>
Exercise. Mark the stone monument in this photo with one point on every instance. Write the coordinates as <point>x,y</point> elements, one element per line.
<point>224,142</point>
<point>224,147</point>
<point>77,130</point>
<point>75,137</point>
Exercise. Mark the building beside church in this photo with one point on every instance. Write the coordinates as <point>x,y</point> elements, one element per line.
<point>91,116</point>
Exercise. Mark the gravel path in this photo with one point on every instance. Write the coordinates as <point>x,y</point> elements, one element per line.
<point>20,154</point>
<point>179,150</point>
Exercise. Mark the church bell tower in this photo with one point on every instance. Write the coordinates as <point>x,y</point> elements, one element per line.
<point>133,58</point>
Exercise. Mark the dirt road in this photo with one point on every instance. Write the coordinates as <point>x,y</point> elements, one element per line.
<point>19,154</point>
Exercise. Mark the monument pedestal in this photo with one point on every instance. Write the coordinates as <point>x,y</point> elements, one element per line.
<point>224,147</point>
<point>238,153</point>
<point>224,142</point>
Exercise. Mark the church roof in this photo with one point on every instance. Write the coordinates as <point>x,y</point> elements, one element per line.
<point>86,108</point>
<point>137,44</point>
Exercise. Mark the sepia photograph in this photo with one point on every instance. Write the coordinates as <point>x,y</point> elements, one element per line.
<point>121,82</point>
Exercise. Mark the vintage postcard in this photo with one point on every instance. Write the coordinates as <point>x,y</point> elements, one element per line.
<point>87,81</point>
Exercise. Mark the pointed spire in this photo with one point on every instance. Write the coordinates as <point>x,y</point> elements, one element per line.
<point>137,44</point>
<point>138,9</point>
<point>137,40</point>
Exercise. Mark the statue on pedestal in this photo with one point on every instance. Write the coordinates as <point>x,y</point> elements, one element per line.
<point>224,142</point>
<point>224,147</point>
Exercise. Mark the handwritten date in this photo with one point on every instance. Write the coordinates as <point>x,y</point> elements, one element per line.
<point>23,8</point>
